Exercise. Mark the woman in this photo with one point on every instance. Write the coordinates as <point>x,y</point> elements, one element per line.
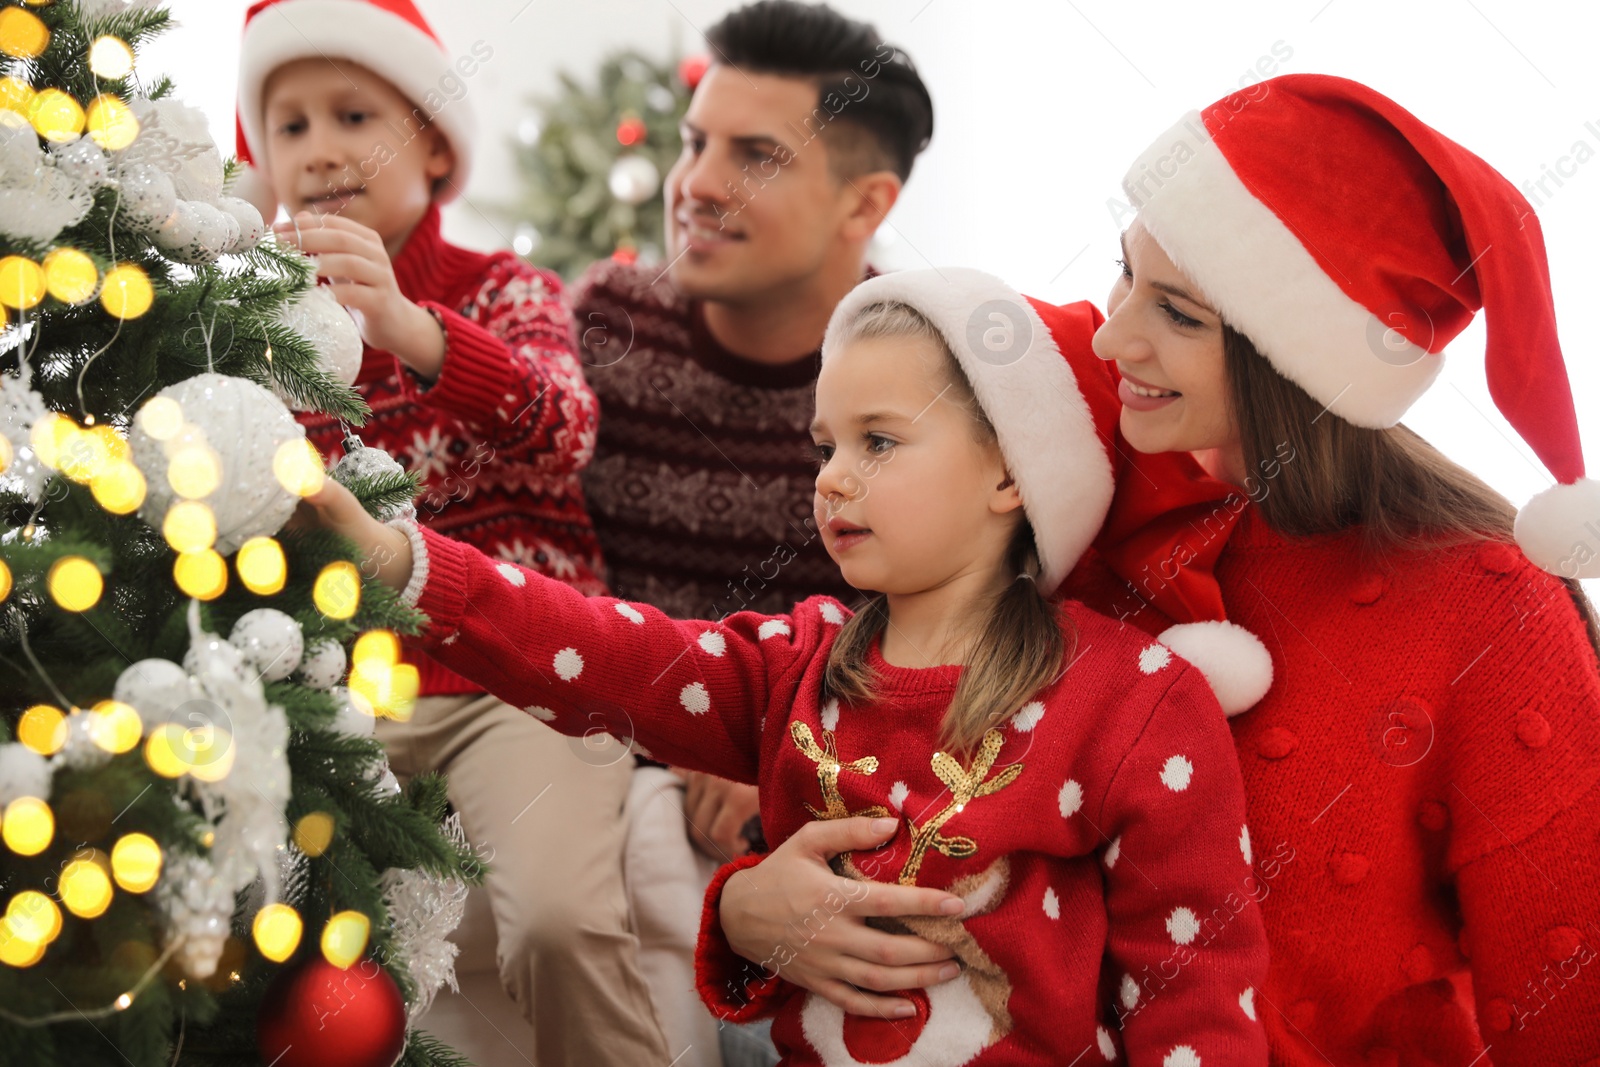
<point>1422,777</point>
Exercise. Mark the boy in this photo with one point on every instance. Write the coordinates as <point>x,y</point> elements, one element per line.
<point>347,110</point>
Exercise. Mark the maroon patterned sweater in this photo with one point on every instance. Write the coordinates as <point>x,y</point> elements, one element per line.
<point>703,475</point>
<point>501,435</point>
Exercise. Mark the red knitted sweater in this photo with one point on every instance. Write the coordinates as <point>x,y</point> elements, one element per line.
<point>501,435</point>
<point>1426,769</point>
<point>1098,833</point>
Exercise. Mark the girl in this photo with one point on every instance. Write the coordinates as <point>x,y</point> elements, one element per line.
<point>1430,749</point>
<point>1068,781</point>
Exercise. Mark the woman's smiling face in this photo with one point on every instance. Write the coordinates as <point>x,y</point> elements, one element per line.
<point>1167,344</point>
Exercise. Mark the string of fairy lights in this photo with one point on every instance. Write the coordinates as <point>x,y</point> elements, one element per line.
<point>98,455</point>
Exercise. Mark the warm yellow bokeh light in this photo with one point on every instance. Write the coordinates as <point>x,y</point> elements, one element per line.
<point>112,125</point>
<point>52,437</point>
<point>6,453</point>
<point>70,276</point>
<point>136,862</point>
<point>34,917</point>
<point>110,57</point>
<point>209,752</point>
<point>387,690</point>
<point>85,887</point>
<point>119,488</point>
<point>161,417</point>
<point>162,748</point>
<point>337,590</point>
<point>127,293</point>
<point>5,580</point>
<point>56,115</point>
<point>344,939</point>
<point>22,34</point>
<point>314,833</point>
<point>82,455</point>
<point>15,95</point>
<point>202,575</point>
<point>43,729</point>
<point>194,470</point>
<point>115,727</point>
<point>189,526</point>
<point>28,826</point>
<point>298,467</point>
<point>75,583</point>
<point>16,950</point>
<point>21,282</point>
<point>378,645</point>
<point>277,929</point>
<point>261,566</point>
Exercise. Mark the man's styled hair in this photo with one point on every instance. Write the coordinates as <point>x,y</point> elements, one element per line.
<point>867,90</point>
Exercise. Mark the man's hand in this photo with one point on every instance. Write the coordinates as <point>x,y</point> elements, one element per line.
<point>362,277</point>
<point>716,810</point>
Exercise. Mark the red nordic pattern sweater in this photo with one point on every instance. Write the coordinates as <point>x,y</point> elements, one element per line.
<point>501,436</point>
<point>1100,832</point>
<point>1423,787</point>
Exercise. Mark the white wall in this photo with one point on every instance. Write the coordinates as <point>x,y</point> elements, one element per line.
<point>1040,105</point>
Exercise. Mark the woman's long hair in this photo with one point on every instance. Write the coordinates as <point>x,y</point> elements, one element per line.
<point>1020,645</point>
<point>1402,492</point>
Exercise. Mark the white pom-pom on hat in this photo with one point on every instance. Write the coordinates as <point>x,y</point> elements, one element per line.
<point>1559,529</point>
<point>1233,660</point>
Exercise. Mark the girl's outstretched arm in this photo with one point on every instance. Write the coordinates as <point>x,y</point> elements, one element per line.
<point>691,693</point>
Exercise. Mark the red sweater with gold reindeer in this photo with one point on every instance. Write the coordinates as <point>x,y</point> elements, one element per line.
<point>1098,835</point>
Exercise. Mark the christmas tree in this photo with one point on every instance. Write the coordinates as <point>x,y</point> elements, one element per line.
<point>205,858</point>
<point>593,160</point>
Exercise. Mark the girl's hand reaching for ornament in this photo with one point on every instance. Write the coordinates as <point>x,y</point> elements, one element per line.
<point>386,550</point>
<point>361,277</point>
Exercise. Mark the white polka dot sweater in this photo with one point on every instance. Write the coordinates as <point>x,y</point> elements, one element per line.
<point>1098,836</point>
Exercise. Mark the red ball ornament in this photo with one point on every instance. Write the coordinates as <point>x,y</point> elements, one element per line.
<point>691,69</point>
<point>630,131</point>
<point>316,1015</point>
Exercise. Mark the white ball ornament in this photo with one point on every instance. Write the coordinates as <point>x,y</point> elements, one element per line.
<point>634,179</point>
<point>217,665</point>
<point>350,719</point>
<point>244,425</point>
<point>23,773</point>
<point>157,689</point>
<point>249,221</point>
<point>82,160</point>
<point>181,230</point>
<point>148,199</point>
<point>271,642</point>
<point>323,664</point>
<point>359,461</point>
<point>324,323</point>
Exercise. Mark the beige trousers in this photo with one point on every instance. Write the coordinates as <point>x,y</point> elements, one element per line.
<point>546,812</point>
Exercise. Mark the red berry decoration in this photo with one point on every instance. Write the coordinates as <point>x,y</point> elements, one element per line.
<point>630,131</point>
<point>316,1015</point>
<point>692,69</point>
<point>626,254</point>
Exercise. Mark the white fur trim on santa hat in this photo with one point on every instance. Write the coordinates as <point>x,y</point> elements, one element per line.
<point>1559,529</point>
<point>1046,431</point>
<point>1259,277</point>
<point>381,41</point>
<point>1233,659</point>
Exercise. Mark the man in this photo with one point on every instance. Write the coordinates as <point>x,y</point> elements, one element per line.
<point>796,145</point>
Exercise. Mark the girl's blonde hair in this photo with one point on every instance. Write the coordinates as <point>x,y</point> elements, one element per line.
<point>1021,644</point>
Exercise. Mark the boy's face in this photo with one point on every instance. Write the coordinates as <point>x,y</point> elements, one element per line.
<point>752,205</point>
<point>342,140</point>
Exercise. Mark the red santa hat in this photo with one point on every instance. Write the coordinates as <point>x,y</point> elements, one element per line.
<point>1351,242</point>
<point>1055,411</point>
<point>388,37</point>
